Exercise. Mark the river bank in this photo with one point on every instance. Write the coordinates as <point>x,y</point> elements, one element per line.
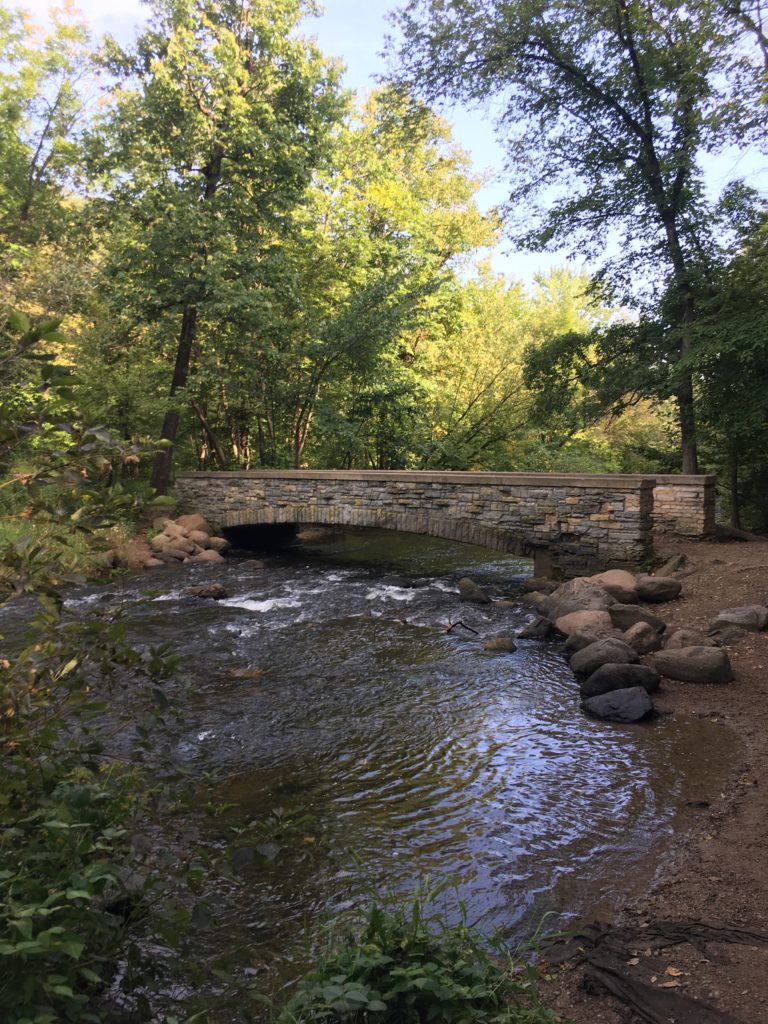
<point>716,868</point>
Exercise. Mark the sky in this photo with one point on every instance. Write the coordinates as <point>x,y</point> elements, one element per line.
<point>354,30</point>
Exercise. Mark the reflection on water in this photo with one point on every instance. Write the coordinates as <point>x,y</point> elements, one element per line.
<point>415,748</point>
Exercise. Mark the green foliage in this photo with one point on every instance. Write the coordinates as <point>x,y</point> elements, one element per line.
<point>407,966</point>
<point>66,812</point>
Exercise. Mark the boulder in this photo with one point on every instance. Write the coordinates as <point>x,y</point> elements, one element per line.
<point>172,555</point>
<point>539,628</point>
<point>540,584</point>
<point>619,583</point>
<point>214,591</point>
<point>584,637</point>
<point>194,522</point>
<point>577,622</point>
<point>672,566</point>
<point>173,529</point>
<point>199,538</point>
<point>726,635</point>
<point>218,544</point>
<point>752,617</point>
<point>643,638</point>
<point>209,555</point>
<point>610,677</point>
<point>687,638</point>
<point>500,643</point>
<point>694,665</point>
<point>153,563</point>
<point>577,595</point>
<point>472,592</point>
<point>535,600</point>
<point>625,615</point>
<point>602,652</point>
<point>654,589</point>
<point>630,705</point>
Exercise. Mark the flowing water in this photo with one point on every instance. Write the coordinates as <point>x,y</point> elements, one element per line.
<point>409,744</point>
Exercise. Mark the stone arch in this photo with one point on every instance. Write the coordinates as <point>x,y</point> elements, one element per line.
<point>465,531</point>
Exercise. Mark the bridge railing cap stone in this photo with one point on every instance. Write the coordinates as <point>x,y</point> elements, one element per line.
<point>616,481</point>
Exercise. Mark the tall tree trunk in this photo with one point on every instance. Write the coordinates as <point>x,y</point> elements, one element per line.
<point>161,470</point>
<point>733,482</point>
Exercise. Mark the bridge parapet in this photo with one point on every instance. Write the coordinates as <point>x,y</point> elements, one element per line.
<point>581,522</point>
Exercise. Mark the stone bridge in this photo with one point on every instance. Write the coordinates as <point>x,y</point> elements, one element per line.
<point>572,523</point>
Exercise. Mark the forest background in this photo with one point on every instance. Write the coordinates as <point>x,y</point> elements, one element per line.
<point>206,239</point>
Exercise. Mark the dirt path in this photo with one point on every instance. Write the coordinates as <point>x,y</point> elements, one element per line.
<point>718,871</point>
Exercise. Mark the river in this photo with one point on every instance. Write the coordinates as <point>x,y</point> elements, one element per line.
<point>407,744</point>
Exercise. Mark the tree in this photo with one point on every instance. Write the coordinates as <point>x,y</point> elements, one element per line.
<point>608,110</point>
<point>42,112</point>
<point>220,116</point>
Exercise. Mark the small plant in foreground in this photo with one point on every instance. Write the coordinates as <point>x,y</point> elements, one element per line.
<point>406,967</point>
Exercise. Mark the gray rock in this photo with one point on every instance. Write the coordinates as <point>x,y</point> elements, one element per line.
<point>584,637</point>
<point>500,643</point>
<point>472,592</point>
<point>625,615</point>
<point>612,677</point>
<point>687,638</point>
<point>630,705</point>
<point>752,617</point>
<point>643,638</point>
<point>694,665</point>
<point>602,652</point>
<point>725,636</point>
<point>539,628</point>
<point>654,589</point>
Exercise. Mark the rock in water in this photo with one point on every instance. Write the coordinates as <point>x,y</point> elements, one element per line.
<point>694,665</point>
<point>630,705</point>
<point>500,643</point>
<point>539,628</point>
<point>472,592</point>
<point>215,591</point>
<point>608,678</point>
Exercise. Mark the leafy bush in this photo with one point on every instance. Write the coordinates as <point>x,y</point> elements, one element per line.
<point>408,968</point>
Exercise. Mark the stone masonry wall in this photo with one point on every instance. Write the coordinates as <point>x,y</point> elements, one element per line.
<point>684,506</point>
<point>580,523</point>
